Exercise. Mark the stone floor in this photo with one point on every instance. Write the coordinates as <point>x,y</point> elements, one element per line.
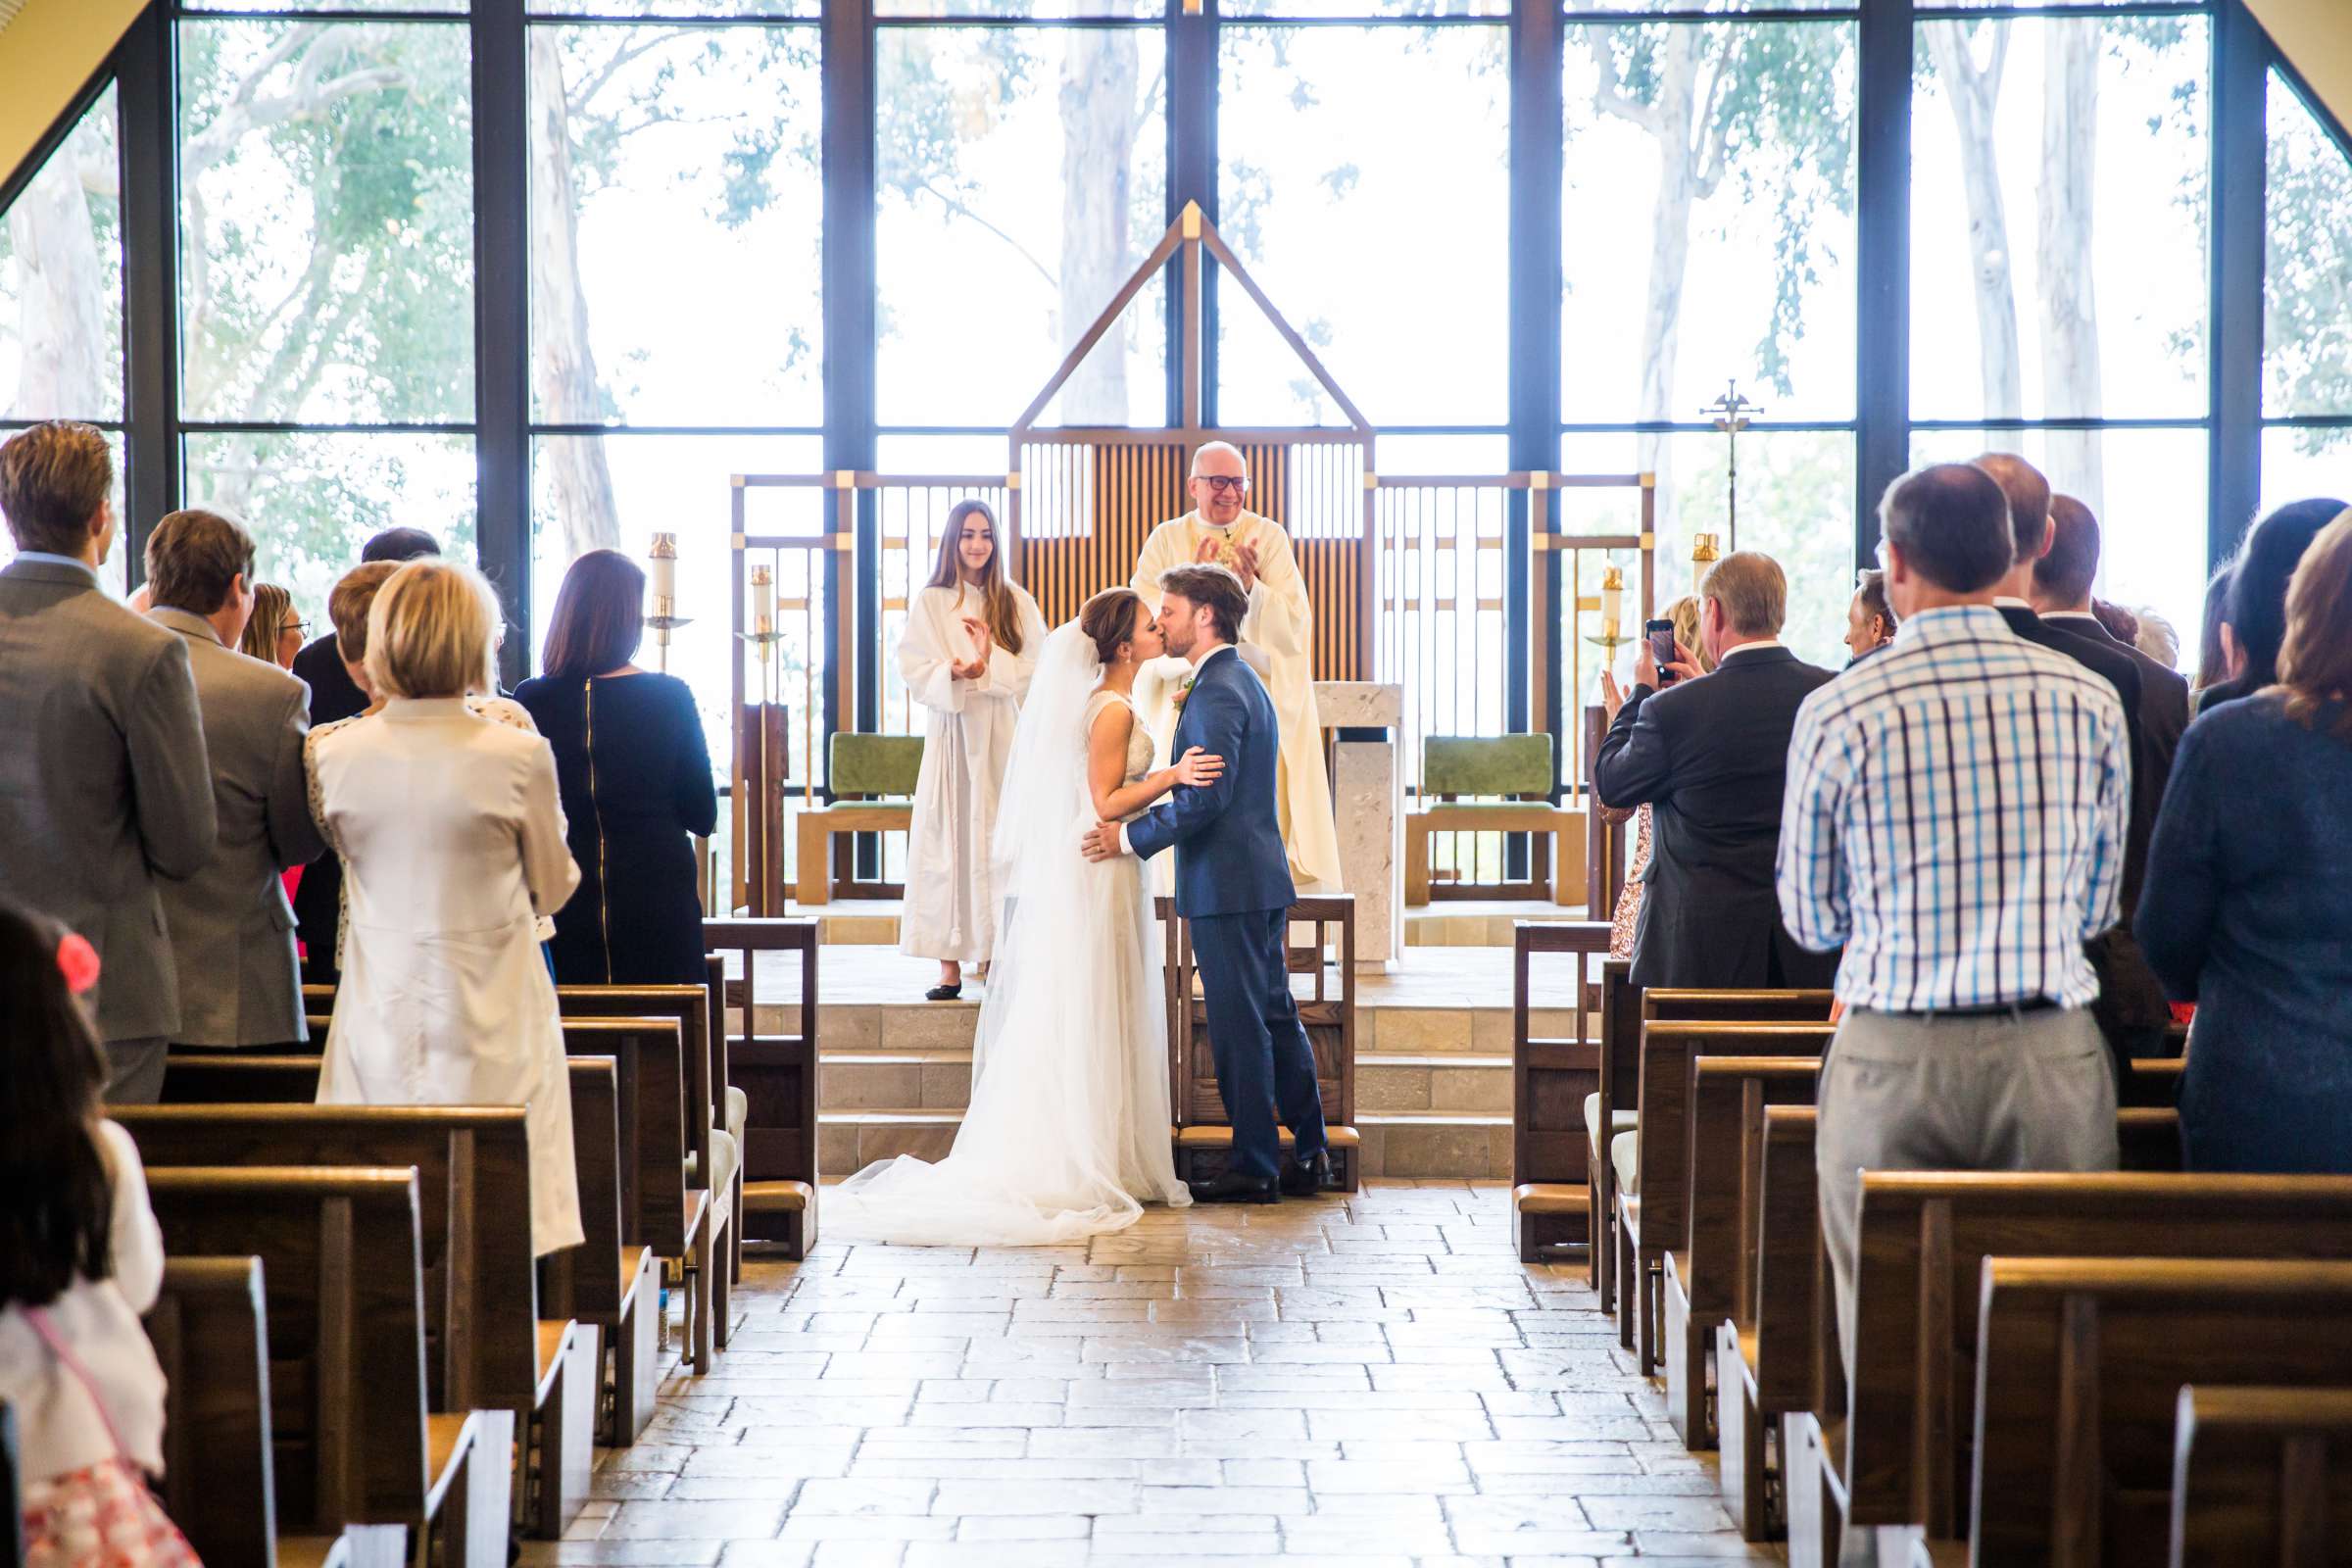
<point>1369,1381</point>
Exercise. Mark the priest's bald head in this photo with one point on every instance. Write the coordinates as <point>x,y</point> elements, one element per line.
<point>1220,482</point>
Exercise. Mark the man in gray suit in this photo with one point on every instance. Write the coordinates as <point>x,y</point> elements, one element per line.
<point>232,930</point>
<point>104,782</point>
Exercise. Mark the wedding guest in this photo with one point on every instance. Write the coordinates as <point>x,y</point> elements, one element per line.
<point>335,694</point>
<point>2217,650</point>
<point>1627,918</point>
<point>634,773</point>
<point>2257,614</point>
<point>1967,1043</point>
<point>2157,638</point>
<point>232,930</point>
<point>1869,620</point>
<point>970,643</point>
<point>80,1258</point>
<point>1709,755</point>
<point>105,790</point>
<point>452,836</point>
<point>2117,622</point>
<point>2248,905</point>
<point>273,632</point>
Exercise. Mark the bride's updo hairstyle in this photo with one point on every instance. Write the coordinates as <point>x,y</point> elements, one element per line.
<point>1109,619</point>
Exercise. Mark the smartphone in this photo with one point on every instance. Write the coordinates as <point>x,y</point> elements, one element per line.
<point>1661,648</point>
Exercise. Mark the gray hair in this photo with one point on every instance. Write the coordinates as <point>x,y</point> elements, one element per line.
<point>1206,447</point>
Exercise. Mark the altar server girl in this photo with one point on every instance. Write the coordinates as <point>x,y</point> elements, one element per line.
<point>971,641</point>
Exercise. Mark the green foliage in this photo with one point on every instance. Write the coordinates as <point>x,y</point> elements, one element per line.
<point>2308,352</point>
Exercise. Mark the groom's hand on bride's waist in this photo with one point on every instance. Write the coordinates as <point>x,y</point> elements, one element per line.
<point>1103,841</point>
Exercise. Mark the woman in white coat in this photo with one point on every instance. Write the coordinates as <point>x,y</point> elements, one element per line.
<point>452,839</point>
<point>971,642</point>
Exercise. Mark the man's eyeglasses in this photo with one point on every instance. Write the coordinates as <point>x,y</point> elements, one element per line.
<point>1238,483</point>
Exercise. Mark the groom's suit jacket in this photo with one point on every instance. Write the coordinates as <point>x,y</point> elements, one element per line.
<point>1230,835</point>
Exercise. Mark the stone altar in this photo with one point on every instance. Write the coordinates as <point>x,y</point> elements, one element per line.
<point>1366,792</point>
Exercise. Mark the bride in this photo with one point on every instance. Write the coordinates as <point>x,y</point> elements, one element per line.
<point>1067,1131</point>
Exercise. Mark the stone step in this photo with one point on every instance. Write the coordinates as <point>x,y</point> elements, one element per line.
<point>1477,925</point>
<point>920,1026</point>
<point>1443,1082</point>
<point>1453,1145</point>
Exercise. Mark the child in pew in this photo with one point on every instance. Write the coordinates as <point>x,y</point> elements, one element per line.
<point>80,1258</point>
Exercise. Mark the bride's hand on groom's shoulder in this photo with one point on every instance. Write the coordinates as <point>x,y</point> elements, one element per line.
<point>1100,842</point>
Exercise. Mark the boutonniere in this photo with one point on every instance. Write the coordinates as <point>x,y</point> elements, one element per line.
<point>1184,689</point>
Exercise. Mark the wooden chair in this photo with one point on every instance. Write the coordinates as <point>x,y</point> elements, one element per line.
<point>605,1281</point>
<point>1514,775</point>
<point>1553,1200</point>
<point>2080,1364</point>
<point>871,779</point>
<point>1650,1165</point>
<point>1727,1097</point>
<point>1902,1453</point>
<point>1203,1132</point>
<point>487,1347</point>
<point>2262,1475</point>
<point>355,1449</point>
<point>209,1328</point>
<point>658,1131</point>
<point>717,1167</point>
<point>778,1077</point>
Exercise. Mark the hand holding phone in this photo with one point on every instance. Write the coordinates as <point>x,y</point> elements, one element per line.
<point>1660,655</point>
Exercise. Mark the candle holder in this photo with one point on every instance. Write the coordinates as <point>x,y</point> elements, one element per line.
<point>767,849</point>
<point>1612,589</point>
<point>665,596</point>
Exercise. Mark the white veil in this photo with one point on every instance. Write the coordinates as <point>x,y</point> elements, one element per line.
<point>1067,1131</point>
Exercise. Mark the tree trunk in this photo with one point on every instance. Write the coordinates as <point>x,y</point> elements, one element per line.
<point>1099,83</point>
<point>63,299</point>
<point>2070,314</point>
<point>564,375</point>
<point>1973,94</point>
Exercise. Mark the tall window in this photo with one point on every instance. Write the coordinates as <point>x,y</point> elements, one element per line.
<point>2059,272</point>
<point>61,289</point>
<point>2307,348</point>
<point>327,331</point>
<point>1708,215</point>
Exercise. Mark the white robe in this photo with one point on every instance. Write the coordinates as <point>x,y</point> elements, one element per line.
<point>950,911</point>
<point>1278,641</point>
<point>453,845</point>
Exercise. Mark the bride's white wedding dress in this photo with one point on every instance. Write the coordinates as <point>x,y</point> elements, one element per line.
<point>1067,1131</point>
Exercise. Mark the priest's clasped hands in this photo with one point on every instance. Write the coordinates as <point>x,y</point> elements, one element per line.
<point>1244,561</point>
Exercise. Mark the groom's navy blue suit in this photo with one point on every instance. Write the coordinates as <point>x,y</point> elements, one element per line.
<point>1232,883</point>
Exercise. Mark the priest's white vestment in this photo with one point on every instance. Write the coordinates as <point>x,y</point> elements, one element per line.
<point>950,910</point>
<point>1278,641</point>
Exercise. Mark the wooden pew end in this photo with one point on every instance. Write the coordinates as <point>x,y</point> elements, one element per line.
<point>1555,1220</point>
<point>780,1213</point>
<point>1200,1151</point>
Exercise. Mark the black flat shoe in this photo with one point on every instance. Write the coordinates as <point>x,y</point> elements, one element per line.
<point>1235,1187</point>
<point>943,993</point>
<point>1305,1178</point>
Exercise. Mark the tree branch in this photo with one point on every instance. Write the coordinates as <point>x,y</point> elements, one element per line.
<point>1609,98</point>
<point>956,208</point>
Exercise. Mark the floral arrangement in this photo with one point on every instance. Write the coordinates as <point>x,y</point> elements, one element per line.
<point>1184,689</point>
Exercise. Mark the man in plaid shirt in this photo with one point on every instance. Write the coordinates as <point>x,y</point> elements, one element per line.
<point>1956,815</point>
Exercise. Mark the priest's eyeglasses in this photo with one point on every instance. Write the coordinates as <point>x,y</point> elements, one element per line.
<point>1238,483</point>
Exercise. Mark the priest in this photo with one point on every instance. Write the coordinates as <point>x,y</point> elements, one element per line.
<point>1277,641</point>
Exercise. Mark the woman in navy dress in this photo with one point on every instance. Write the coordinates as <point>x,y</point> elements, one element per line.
<point>2247,908</point>
<point>635,776</point>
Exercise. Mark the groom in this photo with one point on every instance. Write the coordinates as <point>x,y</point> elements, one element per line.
<point>1232,883</point>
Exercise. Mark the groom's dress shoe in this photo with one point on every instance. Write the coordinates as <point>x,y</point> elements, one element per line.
<point>1235,1187</point>
<point>1305,1178</point>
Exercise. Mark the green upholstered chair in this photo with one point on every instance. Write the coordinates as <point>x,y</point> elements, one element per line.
<point>872,778</point>
<point>1482,784</point>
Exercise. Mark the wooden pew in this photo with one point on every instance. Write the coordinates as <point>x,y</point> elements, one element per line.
<point>487,1347</point>
<point>2152,1081</point>
<point>1654,1220</point>
<point>603,1281</point>
<point>354,1447</point>
<point>210,1331</point>
<point>2262,1475</point>
<point>1764,1348</point>
<point>2080,1363</point>
<point>12,1493</point>
<point>777,1076</point>
<point>1204,1133</point>
<point>1727,1097</point>
<point>1553,1199</point>
<point>1902,1453</point>
<point>658,1209</point>
<point>239,1078</point>
<point>715,1162</point>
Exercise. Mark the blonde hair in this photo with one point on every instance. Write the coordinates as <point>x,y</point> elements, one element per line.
<point>1684,613</point>
<point>2315,663</point>
<point>433,632</point>
<point>1752,590</point>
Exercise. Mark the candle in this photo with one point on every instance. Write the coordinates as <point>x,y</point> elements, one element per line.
<point>1612,598</point>
<point>764,602</point>
<point>664,558</point>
